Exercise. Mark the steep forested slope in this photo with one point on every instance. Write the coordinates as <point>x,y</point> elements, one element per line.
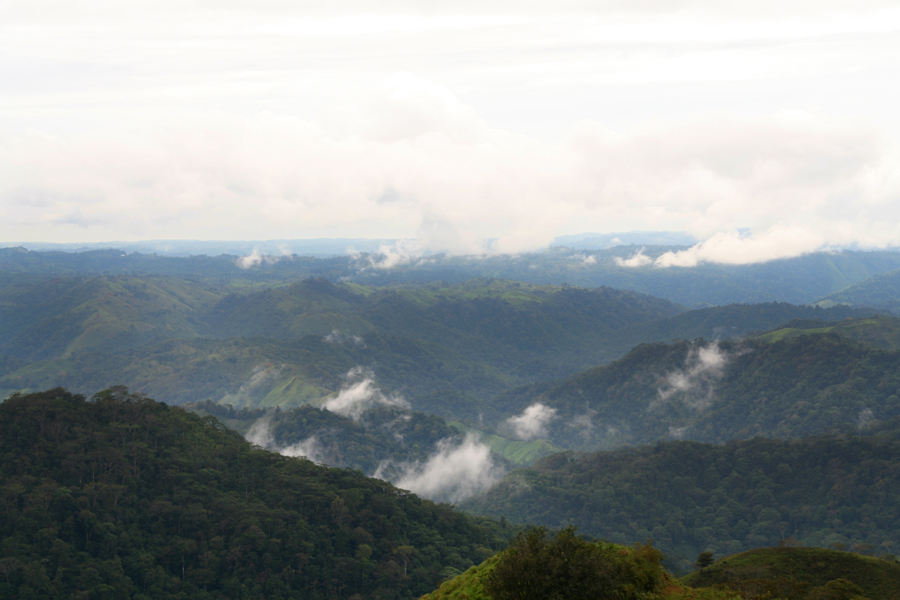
<point>189,341</point>
<point>123,495</point>
<point>690,497</point>
<point>716,392</point>
<point>881,291</point>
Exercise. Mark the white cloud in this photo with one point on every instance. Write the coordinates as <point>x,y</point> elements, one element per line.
<point>359,395</point>
<point>453,472</point>
<point>256,258</point>
<point>260,433</point>
<point>695,383</point>
<point>533,421</point>
<point>338,337</point>
<point>309,448</point>
<point>638,259</point>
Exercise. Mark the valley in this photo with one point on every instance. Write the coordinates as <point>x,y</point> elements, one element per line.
<point>702,418</point>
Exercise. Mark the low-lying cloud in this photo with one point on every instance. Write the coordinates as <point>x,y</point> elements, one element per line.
<point>261,434</point>
<point>256,258</point>
<point>694,384</point>
<point>454,472</point>
<point>533,421</point>
<point>338,337</point>
<point>359,394</point>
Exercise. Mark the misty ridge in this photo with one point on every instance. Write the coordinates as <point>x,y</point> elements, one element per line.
<point>450,469</point>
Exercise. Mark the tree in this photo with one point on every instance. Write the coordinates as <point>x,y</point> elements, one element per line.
<point>538,566</point>
<point>704,560</point>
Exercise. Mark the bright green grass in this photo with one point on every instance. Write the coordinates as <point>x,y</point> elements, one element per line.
<point>517,452</point>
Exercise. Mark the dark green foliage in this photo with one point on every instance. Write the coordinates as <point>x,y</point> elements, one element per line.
<point>803,574</point>
<point>880,291</point>
<point>787,389</point>
<point>705,559</point>
<point>382,440</point>
<point>538,566</point>
<point>125,495</point>
<point>690,497</point>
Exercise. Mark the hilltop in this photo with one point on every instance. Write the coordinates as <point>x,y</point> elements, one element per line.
<point>801,569</point>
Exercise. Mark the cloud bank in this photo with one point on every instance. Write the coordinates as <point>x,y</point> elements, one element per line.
<point>453,473</point>
<point>694,384</point>
<point>359,394</point>
<point>533,422</point>
<point>373,121</point>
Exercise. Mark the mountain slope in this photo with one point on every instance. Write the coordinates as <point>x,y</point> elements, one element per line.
<point>125,495</point>
<point>688,497</point>
<point>715,392</point>
<point>881,291</point>
<point>807,567</point>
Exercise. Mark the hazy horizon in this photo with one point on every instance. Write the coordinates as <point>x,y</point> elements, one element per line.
<point>765,131</point>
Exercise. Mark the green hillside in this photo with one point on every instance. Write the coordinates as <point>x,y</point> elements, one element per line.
<point>57,318</point>
<point>381,440</point>
<point>715,392</point>
<point>880,291</point>
<point>806,568</point>
<point>880,330</point>
<point>125,497</point>
<point>690,497</point>
<point>189,340</point>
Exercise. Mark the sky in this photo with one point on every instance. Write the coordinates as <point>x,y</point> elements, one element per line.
<point>767,129</point>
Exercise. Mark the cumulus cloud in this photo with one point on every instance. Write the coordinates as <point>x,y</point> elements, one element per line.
<point>454,472</point>
<point>388,256</point>
<point>533,421</point>
<point>694,384</point>
<point>256,258</point>
<point>638,259</point>
<point>359,394</point>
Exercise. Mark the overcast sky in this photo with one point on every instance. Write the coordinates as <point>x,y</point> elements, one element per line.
<point>453,122</point>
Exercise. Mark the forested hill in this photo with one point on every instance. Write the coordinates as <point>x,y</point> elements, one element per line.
<point>715,392</point>
<point>689,497</point>
<point>123,495</point>
<point>881,291</point>
<point>189,341</point>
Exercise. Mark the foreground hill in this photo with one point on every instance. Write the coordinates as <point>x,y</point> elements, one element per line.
<point>715,392</point>
<point>689,497</point>
<point>125,495</point>
<point>796,572</point>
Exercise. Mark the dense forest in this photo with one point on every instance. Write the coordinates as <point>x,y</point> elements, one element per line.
<point>189,341</point>
<point>716,392</point>
<point>688,497</point>
<point>121,496</point>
